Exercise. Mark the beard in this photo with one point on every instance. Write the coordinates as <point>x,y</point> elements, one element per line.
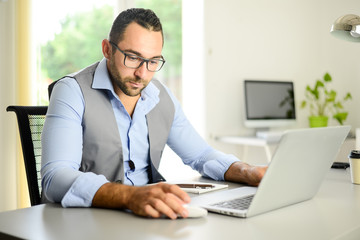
<point>123,82</point>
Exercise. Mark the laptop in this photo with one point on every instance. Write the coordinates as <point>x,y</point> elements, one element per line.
<point>295,173</point>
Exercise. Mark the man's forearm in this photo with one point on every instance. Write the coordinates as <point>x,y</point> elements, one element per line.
<point>112,195</point>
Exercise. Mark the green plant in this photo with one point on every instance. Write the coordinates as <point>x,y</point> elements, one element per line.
<point>323,101</point>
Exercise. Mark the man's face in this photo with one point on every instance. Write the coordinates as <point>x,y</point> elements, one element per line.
<point>137,41</point>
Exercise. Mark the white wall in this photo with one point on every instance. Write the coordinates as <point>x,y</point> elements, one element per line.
<point>273,40</point>
<point>8,133</point>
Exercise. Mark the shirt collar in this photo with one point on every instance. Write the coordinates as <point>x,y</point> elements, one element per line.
<point>102,77</point>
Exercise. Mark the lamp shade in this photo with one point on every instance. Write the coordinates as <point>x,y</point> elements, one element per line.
<point>347,27</point>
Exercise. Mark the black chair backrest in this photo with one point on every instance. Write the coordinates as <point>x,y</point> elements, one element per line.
<point>30,121</point>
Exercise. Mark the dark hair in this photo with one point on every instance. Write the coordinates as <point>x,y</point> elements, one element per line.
<point>144,17</point>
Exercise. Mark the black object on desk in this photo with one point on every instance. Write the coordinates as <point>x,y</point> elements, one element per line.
<point>9,237</point>
<point>340,165</point>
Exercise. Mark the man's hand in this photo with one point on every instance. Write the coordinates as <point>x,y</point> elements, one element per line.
<point>158,199</point>
<point>154,200</point>
<point>245,173</point>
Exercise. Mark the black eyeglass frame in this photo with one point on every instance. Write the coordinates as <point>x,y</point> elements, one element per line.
<point>147,60</point>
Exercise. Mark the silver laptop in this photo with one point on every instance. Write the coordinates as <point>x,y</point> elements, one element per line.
<point>298,166</point>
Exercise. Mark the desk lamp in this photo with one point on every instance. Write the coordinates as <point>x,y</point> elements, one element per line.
<point>347,28</point>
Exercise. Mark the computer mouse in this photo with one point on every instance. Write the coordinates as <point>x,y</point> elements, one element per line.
<point>196,211</point>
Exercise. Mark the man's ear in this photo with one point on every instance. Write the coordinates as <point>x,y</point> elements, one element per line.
<point>106,48</point>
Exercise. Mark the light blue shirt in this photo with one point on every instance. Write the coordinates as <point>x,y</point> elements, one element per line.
<point>62,142</point>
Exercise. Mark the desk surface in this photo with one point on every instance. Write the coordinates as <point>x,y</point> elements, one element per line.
<point>334,213</point>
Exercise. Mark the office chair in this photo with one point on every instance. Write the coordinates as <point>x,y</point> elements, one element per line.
<point>30,121</point>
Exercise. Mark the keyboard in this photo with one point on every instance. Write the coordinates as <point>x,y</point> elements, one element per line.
<point>238,203</point>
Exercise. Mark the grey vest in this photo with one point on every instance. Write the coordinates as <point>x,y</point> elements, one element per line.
<point>102,149</point>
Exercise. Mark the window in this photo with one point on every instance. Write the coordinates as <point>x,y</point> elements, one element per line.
<point>69,39</point>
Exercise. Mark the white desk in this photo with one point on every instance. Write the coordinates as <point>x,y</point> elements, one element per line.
<point>246,141</point>
<point>249,141</point>
<point>334,213</point>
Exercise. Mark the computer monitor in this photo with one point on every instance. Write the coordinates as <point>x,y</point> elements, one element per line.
<point>269,104</point>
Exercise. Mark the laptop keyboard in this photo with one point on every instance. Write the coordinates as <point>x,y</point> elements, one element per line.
<point>238,203</point>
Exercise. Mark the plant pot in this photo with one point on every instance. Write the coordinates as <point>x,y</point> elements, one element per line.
<point>318,121</point>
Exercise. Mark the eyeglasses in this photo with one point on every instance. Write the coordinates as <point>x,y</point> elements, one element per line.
<point>134,61</point>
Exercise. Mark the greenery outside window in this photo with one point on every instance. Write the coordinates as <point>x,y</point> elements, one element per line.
<point>78,44</point>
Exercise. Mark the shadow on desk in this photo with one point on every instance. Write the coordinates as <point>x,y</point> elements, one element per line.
<point>94,222</point>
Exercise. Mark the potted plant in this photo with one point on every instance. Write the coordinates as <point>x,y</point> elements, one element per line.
<point>323,102</point>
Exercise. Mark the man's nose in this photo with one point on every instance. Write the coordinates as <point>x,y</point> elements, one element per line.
<point>141,71</point>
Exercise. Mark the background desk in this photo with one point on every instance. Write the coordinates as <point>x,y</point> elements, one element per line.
<point>334,213</point>
<point>270,145</point>
<point>247,141</point>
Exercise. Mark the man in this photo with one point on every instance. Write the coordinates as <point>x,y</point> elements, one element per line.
<point>107,126</point>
